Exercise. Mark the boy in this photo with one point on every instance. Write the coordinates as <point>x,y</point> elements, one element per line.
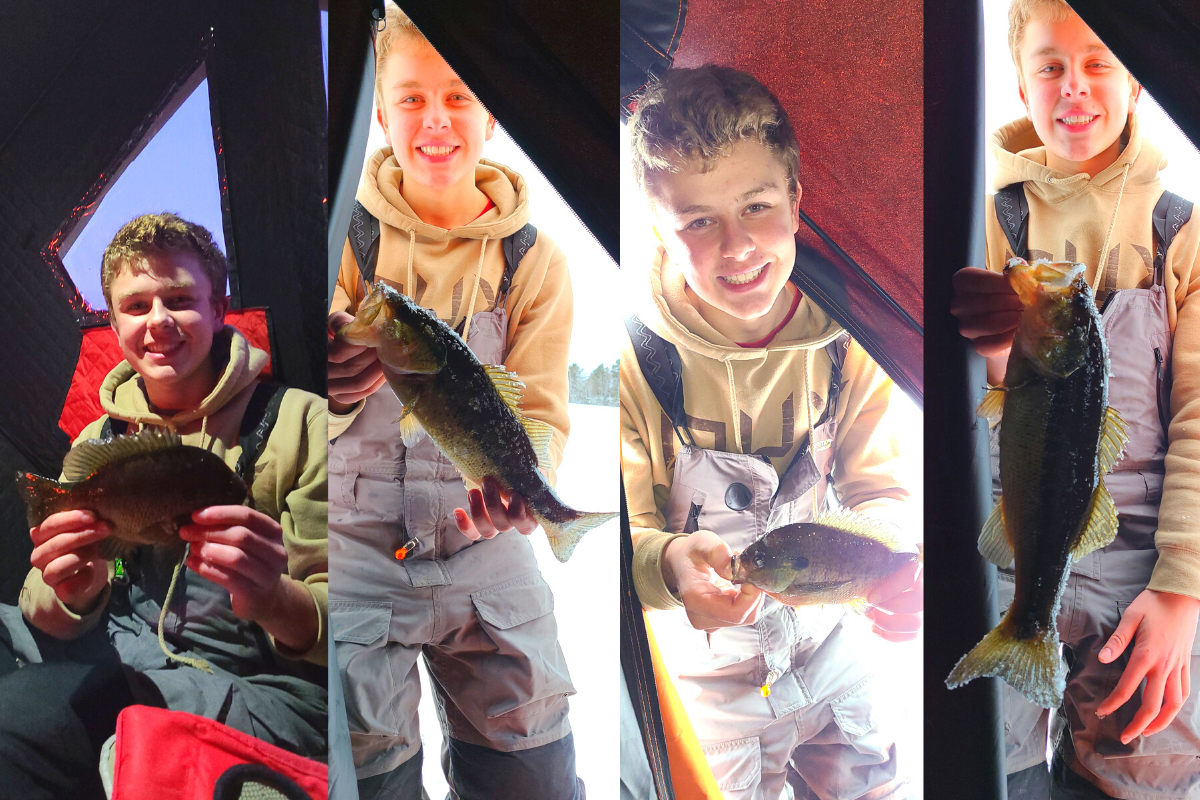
<point>251,601</point>
<point>773,693</point>
<point>452,235</point>
<point>1077,182</point>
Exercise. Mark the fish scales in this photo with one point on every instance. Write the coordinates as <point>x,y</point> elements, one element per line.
<point>1057,440</point>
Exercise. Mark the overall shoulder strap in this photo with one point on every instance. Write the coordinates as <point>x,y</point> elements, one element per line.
<point>364,240</point>
<point>1170,213</point>
<point>837,357</point>
<point>663,371</point>
<point>515,247</point>
<point>113,427</point>
<point>1013,212</point>
<point>257,423</point>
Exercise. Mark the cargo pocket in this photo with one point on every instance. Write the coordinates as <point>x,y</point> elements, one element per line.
<point>737,766</point>
<point>527,667</point>
<point>360,634</point>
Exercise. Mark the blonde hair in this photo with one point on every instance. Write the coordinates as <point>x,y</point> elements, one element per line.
<point>162,233</point>
<point>699,115</point>
<point>1021,13</point>
<point>397,26</point>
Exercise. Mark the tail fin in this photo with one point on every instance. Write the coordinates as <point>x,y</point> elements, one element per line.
<point>564,525</point>
<point>38,494</point>
<point>1031,666</point>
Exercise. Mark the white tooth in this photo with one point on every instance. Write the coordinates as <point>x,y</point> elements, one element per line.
<point>745,277</point>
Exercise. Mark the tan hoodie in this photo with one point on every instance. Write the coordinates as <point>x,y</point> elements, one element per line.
<point>1070,217</point>
<point>457,272</point>
<point>290,476</point>
<point>739,390</point>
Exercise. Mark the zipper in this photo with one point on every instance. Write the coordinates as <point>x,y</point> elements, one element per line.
<point>1163,399</point>
<point>693,520</point>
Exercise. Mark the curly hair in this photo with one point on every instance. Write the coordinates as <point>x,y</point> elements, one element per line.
<point>698,115</point>
<point>162,233</point>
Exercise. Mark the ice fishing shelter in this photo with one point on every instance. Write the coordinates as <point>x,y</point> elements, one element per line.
<point>850,78</point>
<point>87,84</point>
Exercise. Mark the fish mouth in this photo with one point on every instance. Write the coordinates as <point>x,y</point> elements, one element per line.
<point>1041,278</point>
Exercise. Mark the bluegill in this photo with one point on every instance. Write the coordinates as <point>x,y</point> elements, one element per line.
<point>145,486</point>
<point>1058,439</point>
<point>839,558</point>
<point>470,410</point>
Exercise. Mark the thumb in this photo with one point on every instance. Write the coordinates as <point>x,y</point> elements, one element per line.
<point>1121,637</point>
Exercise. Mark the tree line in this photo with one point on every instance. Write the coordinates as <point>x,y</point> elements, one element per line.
<point>600,387</point>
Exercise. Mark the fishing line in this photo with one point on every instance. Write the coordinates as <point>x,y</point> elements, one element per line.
<point>198,663</point>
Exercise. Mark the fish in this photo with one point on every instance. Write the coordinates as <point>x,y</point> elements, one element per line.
<point>838,559</point>
<point>145,486</point>
<point>470,410</point>
<point>1058,439</point>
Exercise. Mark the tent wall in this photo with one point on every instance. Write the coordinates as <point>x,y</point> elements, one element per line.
<point>82,80</point>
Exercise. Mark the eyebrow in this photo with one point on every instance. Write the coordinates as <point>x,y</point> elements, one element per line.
<point>418,85</point>
<point>170,287</point>
<point>1054,51</point>
<point>741,198</point>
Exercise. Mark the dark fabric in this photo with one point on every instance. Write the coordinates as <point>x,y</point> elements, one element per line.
<point>480,773</point>
<point>1171,212</point>
<point>54,718</point>
<point>402,783</point>
<point>1012,210</point>
<point>650,34</point>
<point>262,412</point>
<point>1030,784</point>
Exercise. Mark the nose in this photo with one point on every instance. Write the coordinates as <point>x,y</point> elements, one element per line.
<point>1076,84</point>
<point>736,241</point>
<point>437,117</point>
<point>160,315</point>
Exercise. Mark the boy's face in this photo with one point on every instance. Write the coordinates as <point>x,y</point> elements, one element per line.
<point>165,318</point>
<point>731,230</point>
<point>435,126</point>
<point>1076,93</point>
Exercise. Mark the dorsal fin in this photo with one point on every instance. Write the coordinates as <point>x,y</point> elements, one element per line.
<point>866,527</point>
<point>507,384</point>
<point>992,405</point>
<point>540,434</point>
<point>1113,436</point>
<point>87,458</point>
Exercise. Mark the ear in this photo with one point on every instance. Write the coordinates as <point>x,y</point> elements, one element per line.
<point>220,307</point>
<point>796,209</point>
<point>1024,99</point>
<point>491,128</point>
<point>382,119</point>
<point>1136,94</point>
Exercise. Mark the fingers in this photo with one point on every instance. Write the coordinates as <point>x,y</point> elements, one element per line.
<point>895,627</point>
<point>973,280</point>
<point>1122,636</point>
<point>1152,703</point>
<point>64,522</point>
<point>490,513</point>
<point>990,325</point>
<point>63,544</point>
<point>1172,702</point>
<point>235,560</point>
<point>61,569</point>
<point>239,539</point>
<point>997,346</point>
<point>521,515</point>
<point>497,511</point>
<point>902,591</point>
<point>712,610</point>
<point>1126,686</point>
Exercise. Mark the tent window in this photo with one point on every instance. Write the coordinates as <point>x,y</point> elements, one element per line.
<point>173,168</point>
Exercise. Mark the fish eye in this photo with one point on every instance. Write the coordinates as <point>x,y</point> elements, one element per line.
<point>758,559</point>
<point>800,562</point>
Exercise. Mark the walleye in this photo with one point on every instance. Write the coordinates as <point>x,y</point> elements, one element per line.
<point>470,410</point>
<point>145,486</point>
<point>837,559</point>
<point>1058,440</point>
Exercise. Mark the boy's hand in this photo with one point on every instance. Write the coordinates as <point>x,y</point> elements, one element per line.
<point>897,602</point>
<point>65,551</point>
<point>241,550</point>
<point>1163,625</point>
<point>694,567</point>
<point>354,370</point>
<point>988,310</point>
<point>491,513</point>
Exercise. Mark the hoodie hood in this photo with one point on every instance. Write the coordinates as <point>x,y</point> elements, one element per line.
<point>380,194</point>
<point>670,313</point>
<point>123,395</point>
<point>1021,157</point>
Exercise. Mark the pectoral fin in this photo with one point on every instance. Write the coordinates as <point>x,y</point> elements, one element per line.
<point>507,383</point>
<point>1101,526</point>
<point>410,428</point>
<point>540,434</point>
<point>992,405</point>
<point>1113,436</point>
<point>993,540</point>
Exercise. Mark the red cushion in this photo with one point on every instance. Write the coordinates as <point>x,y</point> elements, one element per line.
<point>100,352</point>
<point>173,755</point>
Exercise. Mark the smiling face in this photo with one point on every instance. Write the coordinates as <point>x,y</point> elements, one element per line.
<point>435,126</point>
<point>731,230</point>
<point>165,318</point>
<point>1076,93</point>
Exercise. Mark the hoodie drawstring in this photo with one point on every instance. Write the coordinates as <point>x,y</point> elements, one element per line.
<point>475,288</point>
<point>1102,264</point>
<point>816,512</point>
<point>408,285</point>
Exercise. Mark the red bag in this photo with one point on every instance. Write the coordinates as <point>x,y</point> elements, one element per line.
<point>173,755</point>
